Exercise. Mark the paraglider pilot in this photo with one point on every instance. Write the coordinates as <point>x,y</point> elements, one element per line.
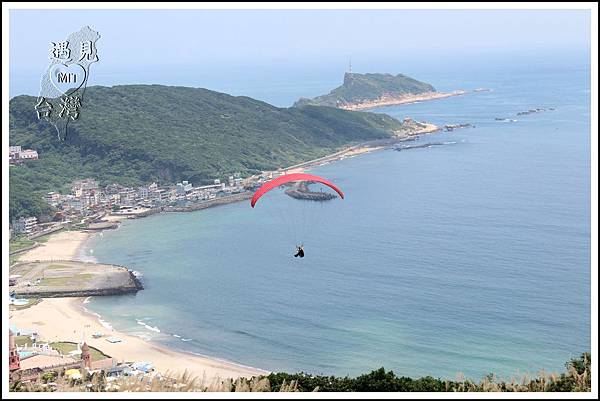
<point>300,252</point>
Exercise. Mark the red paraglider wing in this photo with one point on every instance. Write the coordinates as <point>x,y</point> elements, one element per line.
<point>266,187</point>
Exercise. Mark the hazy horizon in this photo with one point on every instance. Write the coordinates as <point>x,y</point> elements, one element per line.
<point>225,50</point>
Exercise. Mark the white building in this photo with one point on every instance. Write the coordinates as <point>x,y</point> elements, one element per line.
<point>143,192</point>
<point>17,154</point>
<point>91,199</point>
<point>24,225</point>
<point>127,197</point>
<point>159,195</point>
<point>183,188</point>
<point>28,154</point>
<point>53,198</point>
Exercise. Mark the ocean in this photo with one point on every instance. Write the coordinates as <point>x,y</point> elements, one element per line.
<point>466,258</point>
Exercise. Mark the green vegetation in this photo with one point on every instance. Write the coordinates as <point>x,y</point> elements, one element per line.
<point>358,88</point>
<point>57,266</point>
<point>22,340</point>
<point>137,134</point>
<point>64,347</point>
<point>577,378</point>
<point>44,238</point>
<point>20,242</point>
<point>12,259</point>
<point>77,279</point>
<point>50,376</point>
<point>26,190</point>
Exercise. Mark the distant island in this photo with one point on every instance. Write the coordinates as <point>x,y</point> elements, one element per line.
<point>364,91</point>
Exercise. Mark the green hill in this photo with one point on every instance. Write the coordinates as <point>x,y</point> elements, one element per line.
<point>135,134</point>
<point>359,88</point>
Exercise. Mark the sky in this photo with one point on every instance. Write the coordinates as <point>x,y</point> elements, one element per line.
<point>217,48</point>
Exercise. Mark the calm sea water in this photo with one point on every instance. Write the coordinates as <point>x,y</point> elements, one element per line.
<point>471,257</point>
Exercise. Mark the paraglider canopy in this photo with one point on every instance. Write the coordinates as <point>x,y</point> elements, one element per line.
<point>290,178</point>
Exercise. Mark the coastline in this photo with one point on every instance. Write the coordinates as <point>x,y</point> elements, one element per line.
<point>393,101</point>
<point>365,147</point>
<point>63,245</point>
<point>77,322</point>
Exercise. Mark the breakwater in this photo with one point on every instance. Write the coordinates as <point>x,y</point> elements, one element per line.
<point>424,145</point>
<point>452,127</point>
<point>99,226</point>
<point>67,278</point>
<point>301,191</point>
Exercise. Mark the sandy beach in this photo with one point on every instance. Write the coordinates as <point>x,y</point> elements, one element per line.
<point>75,324</point>
<point>60,246</point>
<point>65,319</point>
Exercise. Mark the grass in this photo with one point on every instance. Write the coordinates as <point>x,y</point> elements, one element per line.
<point>21,241</point>
<point>18,243</point>
<point>45,238</point>
<point>57,266</point>
<point>22,340</point>
<point>64,347</point>
<point>12,259</point>
<point>61,281</point>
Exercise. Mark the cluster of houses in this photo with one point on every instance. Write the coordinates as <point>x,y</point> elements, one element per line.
<point>185,192</point>
<point>29,362</point>
<point>87,199</point>
<point>17,155</point>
